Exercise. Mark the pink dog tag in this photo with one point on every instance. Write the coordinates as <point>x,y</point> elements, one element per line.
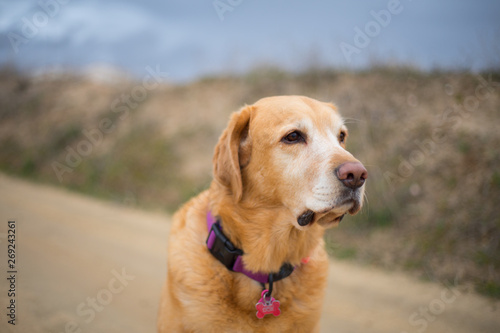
<point>267,306</point>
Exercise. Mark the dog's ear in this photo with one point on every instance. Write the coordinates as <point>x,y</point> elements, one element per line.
<point>233,152</point>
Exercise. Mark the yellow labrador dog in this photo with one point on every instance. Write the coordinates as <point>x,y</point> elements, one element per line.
<point>247,255</point>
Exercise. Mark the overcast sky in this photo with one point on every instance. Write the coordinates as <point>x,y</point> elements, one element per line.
<point>189,39</point>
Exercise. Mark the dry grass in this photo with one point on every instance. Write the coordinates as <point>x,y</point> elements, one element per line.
<point>430,142</point>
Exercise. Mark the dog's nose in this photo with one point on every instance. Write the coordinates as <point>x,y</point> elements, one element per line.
<point>352,174</point>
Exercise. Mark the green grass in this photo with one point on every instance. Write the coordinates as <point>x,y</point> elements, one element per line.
<point>65,135</point>
<point>341,252</point>
<point>495,179</point>
<point>489,288</point>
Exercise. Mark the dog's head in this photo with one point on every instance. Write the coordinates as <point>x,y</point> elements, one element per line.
<point>289,152</point>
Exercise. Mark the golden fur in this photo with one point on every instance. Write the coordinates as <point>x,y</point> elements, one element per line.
<point>261,185</point>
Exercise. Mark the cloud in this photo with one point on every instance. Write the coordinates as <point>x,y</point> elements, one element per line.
<point>190,39</point>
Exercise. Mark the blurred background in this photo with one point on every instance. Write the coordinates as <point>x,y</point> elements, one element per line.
<point>214,37</point>
<point>125,101</point>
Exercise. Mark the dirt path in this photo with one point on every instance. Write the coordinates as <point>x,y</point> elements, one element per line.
<point>88,266</point>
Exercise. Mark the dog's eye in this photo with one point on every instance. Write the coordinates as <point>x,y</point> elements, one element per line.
<point>342,137</point>
<point>294,137</point>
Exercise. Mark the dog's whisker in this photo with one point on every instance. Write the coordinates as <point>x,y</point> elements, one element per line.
<point>324,194</point>
<point>317,187</point>
<point>323,200</point>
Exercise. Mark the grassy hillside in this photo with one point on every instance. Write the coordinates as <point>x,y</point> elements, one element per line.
<point>429,140</point>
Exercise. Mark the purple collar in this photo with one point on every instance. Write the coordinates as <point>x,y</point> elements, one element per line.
<point>231,257</point>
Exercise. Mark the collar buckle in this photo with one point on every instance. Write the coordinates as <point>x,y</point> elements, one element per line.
<point>231,257</point>
<point>222,248</point>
